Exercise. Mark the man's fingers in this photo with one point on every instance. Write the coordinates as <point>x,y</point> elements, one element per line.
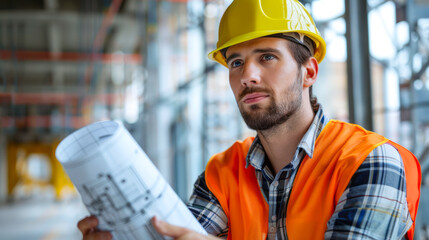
<point>87,225</point>
<point>167,229</point>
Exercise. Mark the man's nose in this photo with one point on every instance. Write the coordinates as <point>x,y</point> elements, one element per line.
<point>251,74</point>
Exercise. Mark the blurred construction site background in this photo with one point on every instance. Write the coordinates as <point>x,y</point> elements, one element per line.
<point>66,64</point>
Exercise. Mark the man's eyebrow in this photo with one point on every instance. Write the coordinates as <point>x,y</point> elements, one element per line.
<point>259,50</point>
<point>234,55</point>
<point>266,50</point>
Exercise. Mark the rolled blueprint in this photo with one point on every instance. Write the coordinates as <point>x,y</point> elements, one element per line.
<point>119,184</point>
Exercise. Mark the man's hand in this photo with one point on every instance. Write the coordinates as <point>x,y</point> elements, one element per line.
<point>87,227</point>
<point>178,233</point>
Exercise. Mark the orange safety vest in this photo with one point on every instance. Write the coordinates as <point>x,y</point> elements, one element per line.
<point>339,151</point>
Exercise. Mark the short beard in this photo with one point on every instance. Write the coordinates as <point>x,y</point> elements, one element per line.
<point>276,114</point>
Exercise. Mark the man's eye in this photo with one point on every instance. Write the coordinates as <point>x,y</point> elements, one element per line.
<point>267,57</point>
<point>235,64</point>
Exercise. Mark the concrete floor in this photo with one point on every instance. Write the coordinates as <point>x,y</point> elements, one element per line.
<point>41,217</point>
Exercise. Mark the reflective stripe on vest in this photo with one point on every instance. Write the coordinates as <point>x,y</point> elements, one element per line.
<point>339,151</point>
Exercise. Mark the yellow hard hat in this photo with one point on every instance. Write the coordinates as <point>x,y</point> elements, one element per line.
<point>245,20</point>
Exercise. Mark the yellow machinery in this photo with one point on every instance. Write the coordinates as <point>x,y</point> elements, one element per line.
<point>18,174</point>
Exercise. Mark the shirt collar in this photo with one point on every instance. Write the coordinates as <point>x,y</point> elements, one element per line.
<point>256,154</point>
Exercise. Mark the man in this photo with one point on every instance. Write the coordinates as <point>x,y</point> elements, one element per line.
<point>303,176</point>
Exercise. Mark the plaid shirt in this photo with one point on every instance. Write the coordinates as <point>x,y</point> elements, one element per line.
<point>372,206</point>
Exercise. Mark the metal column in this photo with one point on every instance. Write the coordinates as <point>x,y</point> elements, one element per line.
<point>358,64</point>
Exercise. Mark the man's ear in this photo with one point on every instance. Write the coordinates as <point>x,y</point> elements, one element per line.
<point>311,71</point>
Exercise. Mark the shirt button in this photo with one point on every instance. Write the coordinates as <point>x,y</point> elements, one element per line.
<point>272,229</point>
<point>273,218</point>
<point>276,183</point>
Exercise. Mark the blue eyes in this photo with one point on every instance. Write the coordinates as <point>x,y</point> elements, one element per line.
<point>235,64</point>
<point>267,57</point>
<point>264,58</point>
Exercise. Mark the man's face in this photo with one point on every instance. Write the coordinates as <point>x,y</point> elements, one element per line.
<point>266,81</point>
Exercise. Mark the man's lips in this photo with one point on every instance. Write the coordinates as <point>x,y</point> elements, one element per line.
<point>254,97</point>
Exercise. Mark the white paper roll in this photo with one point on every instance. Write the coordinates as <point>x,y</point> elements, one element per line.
<point>119,184</point>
